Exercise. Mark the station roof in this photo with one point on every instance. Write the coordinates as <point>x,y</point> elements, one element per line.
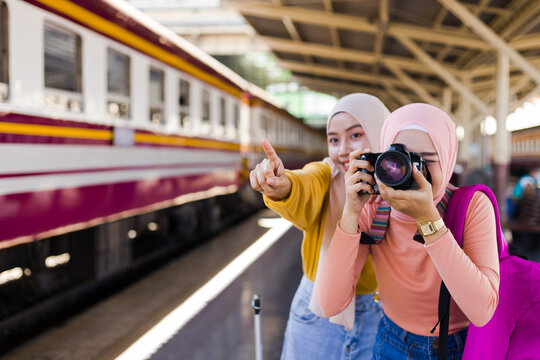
<point>404,51</point>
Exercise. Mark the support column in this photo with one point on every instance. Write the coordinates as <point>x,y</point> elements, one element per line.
<point>465,116</point>
<point>501,154</point>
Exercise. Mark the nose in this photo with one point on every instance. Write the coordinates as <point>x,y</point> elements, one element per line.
<point>344,149</point>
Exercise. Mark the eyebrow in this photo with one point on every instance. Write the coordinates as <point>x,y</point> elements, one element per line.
<point>347,129</point>
<point>428,153</point>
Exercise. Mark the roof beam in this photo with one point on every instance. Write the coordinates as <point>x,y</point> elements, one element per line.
<point>490,36</point>
<point>498,24</point>
<point>401,98</point>
<point>349,74</point>
<point>525,42</point>
<point>528,15</point>
<point>363,57</point>
<point>379,35</point>
<point>346,87</point>
<point>335,87</point>
<point>445,35</point>
<point>490,69</point>
<point>328,7</point>
<point>478,9</point>
<point>291,29</point>
<point>414,86</point>
<point>441,71</point>
<point>488,9</point>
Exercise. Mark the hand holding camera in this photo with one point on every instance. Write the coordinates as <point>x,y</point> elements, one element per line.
<point>394,168</point>
<point>397,171</point>
<point>358,182</point>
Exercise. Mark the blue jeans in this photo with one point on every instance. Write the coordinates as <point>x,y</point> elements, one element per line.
<point>311,337</point>
<point>395,343</point>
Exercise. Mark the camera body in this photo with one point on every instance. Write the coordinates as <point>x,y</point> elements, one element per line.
<point>394,168</point>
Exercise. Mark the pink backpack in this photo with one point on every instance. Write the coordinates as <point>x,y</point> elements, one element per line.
<point>514,330</point>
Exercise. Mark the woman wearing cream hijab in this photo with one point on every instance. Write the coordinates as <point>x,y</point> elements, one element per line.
<point>409,272</point>
<point>312,199</point>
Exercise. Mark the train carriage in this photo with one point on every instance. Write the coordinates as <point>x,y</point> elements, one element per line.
<point>120,142</point>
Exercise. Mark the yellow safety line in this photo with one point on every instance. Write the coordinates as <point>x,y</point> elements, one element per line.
<point>117,32</point>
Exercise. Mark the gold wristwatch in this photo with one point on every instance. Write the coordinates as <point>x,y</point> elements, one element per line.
<point>430,227</point>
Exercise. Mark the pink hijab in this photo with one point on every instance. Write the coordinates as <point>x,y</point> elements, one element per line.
<point>370,112</point>
<point>440,129</point>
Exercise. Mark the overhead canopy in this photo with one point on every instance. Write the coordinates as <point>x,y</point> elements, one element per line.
<point>404,50</point>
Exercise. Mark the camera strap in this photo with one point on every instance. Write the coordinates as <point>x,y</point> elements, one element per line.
<point>382,215</point>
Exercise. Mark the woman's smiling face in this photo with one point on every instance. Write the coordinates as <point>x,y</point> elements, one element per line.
<point>419,141</point>
<point>344,135</point>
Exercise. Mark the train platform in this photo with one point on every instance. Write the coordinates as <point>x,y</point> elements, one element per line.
<point>197,306</point>
<point>194,307</point>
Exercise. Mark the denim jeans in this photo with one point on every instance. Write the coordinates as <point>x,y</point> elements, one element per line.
<point>311,337</point>
<point>395,343</point>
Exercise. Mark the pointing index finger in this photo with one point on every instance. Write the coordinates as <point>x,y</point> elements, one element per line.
<point>270,152</point>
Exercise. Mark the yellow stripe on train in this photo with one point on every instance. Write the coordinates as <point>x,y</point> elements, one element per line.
<point>180,141</point>
<point>55,131</point>
<point>95,134</point>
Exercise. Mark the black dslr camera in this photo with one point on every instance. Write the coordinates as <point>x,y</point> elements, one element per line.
<point>394,168</point>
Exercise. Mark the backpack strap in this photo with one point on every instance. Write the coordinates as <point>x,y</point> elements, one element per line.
<point>454,219</point>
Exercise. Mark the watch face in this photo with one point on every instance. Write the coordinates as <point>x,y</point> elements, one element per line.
<point>427,229</point>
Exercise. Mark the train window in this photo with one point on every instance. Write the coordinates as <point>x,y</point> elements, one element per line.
<point>4,51</point>
<point>236,118</point>
<point>63,70</point>
<point>184,102</point>
<point>205,128</point>
<point>118,84</point>
<point>222,120</point>
<point>156,96</point>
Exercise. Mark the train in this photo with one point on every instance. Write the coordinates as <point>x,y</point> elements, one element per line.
<point>525,149</point>
<point>122,143</point>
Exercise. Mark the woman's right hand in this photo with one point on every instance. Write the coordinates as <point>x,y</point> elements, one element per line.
<point>269,177</point>
<point>355,181</point>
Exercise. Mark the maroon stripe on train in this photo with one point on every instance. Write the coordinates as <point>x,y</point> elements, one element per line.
<point>36,139</point>
<point>220,165</point>
<point>38,120</point>
<point>32,214</point>
<point>106,11</point>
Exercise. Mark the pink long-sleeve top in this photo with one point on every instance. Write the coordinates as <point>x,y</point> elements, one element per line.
<point>409,273</point>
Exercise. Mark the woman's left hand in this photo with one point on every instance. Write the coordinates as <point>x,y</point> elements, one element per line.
<point>415,203</point>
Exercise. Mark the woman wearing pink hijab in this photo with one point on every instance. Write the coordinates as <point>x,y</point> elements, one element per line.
<point>409,272</point>
<point>312,199</point>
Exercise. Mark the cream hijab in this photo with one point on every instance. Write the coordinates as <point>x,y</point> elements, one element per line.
<point>370,112</point>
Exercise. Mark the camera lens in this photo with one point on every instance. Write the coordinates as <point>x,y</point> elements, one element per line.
<point>393,168</point>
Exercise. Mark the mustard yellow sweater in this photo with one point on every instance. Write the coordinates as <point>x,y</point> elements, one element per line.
<point>306,208</point>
